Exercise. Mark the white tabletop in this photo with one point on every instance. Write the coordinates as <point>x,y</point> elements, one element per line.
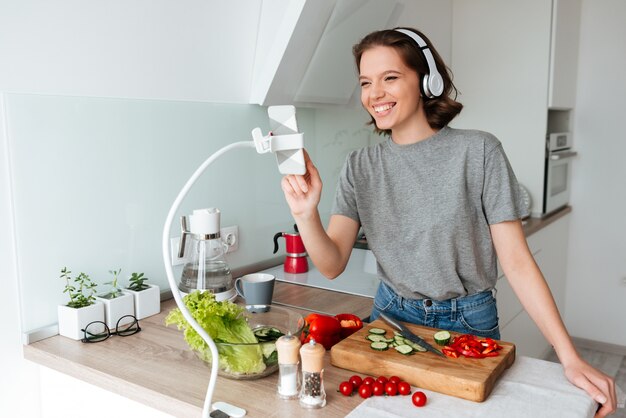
<point>530,388</point>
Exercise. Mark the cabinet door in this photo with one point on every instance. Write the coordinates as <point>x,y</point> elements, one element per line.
<point>552,260</point>
<point>564,53</point>
<point>527,338</point>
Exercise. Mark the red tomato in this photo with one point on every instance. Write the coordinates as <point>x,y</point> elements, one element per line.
<point>378,389</point>
<point>355,380</point>
<point>391,389</point>
<point>404,388</point>
<point>324,329</point>
<point>395,379</point>
<point>419,398</point>
<point>382,379</point>
<point>365,391</point>
<point>346,388</point>
<point>368,380</point>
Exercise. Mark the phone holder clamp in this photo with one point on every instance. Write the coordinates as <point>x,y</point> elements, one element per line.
<point>273,143</point>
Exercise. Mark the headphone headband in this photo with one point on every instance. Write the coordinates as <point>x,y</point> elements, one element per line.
<point>432,83</point>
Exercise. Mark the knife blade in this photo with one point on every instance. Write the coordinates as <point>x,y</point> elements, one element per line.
<point>406,333</point>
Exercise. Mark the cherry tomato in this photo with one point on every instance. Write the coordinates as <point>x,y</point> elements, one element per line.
<point>391,389</point>
<point>404,388</point>
<point>382,379</point>
<point>378,389</point>
<point>355,380</point>
<point>419,398</point>
<point>368,380</point>
<point>395,379</point>
<point>346,388</point>
<point>365,390</point>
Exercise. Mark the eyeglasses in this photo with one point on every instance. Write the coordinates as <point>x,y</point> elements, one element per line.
<point>98,331</point>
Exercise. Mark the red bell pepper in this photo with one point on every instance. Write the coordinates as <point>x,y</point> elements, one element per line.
<point>349,324</point>
<point>470,346</point>
<point>324,329</point>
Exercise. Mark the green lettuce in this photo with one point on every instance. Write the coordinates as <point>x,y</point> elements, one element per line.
<point>225,322</point>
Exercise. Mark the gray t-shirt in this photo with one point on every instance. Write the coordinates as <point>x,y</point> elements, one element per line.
<point>426,208</point>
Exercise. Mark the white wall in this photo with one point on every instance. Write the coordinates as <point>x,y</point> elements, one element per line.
<point>597,252</point>
<point>178,50</point>
<point>19,377</point>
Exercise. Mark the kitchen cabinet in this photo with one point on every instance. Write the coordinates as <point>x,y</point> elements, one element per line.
<point>304,50</point>
<point>564,53</point>
<point>549,247</point>
<point>512,61</point>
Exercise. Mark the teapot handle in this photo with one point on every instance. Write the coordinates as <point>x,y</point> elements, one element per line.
<point>278,235</point>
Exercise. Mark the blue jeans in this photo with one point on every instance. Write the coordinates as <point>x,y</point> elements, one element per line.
<point>475,314</point>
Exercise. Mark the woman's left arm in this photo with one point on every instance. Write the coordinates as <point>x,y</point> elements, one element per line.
<point>533,292</point>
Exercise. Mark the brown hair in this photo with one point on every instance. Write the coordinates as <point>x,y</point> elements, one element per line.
<point>439,110</point>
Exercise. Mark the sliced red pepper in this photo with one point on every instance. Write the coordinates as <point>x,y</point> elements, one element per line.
<point>470,346</point>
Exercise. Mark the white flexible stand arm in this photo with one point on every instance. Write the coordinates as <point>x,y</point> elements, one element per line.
<point>263,144</point>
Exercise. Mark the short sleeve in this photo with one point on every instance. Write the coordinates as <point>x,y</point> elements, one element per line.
<point>502,199</point>
<point>345,202</point>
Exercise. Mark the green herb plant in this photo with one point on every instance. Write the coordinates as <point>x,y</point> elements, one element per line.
<point>80,289</point>
<point>115,289</point>
<point>137,282</point>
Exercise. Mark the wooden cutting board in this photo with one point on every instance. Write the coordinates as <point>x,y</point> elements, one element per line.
<point>467,378</point>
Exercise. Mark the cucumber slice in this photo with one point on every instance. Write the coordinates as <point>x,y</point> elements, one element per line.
<point>442,337</point>
<point>375,338</point>
<point>377,331</point>
<point>415,346</point>
<point>404,349</point>
<point>379,346</point>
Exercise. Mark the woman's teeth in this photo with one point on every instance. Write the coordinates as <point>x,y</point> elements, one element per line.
<point>382,108</point>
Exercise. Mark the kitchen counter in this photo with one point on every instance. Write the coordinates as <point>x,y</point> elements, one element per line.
<point>156,368</point>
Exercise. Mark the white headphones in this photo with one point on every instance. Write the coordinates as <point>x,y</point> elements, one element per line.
<point>432,83</point>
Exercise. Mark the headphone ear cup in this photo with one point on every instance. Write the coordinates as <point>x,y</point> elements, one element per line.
<point>425,88</point>
<point>435,84</point>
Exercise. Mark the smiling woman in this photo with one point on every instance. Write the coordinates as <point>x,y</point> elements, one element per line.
<point>436,204</point>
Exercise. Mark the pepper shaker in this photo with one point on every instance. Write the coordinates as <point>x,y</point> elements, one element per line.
<point>288,347</point>
<point>312,394</point>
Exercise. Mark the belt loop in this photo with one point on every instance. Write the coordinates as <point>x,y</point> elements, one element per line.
<point>401,300</point>
<point>453,310</point>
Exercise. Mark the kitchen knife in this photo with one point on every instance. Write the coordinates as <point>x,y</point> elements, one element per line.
<point>410,336</point>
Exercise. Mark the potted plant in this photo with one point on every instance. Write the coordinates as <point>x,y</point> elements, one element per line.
<point>147,296</point>
<point>82,308</point>
<point>117,303</point>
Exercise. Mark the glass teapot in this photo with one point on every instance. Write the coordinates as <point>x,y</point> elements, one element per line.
<point>206,268</point>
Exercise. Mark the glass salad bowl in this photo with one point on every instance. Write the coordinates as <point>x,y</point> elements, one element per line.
<point>254,360</point>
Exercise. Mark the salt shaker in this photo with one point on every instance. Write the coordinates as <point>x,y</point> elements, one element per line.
<point>312,394</point>
<point>288,347</point>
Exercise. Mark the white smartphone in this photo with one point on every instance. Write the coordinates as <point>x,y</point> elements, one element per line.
<point>283,122</point>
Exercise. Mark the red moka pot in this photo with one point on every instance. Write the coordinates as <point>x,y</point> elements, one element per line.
<point>296,261</point>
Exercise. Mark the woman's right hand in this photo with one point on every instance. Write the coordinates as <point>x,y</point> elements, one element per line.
<point>303,192</point>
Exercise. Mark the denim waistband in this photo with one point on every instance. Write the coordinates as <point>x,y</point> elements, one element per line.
<point>459,303</point>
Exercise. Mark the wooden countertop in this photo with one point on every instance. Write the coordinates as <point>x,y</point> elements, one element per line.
<point>532,225</point>
<point>156,367</point>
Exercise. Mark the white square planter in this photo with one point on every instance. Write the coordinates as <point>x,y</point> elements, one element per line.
<point>72,320</point>
<point>116,308</point>
<point>147,301</point>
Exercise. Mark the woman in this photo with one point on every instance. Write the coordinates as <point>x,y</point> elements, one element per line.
<point>436,205</point>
